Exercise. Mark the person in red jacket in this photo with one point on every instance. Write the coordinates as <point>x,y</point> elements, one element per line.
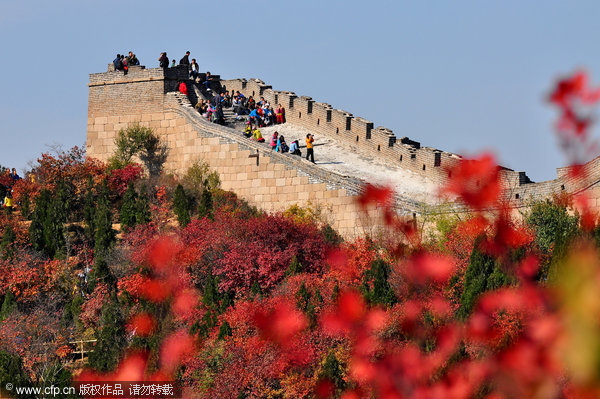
<point>183,88</point>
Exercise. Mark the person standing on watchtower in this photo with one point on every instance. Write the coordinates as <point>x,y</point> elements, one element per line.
<point>185,60</point>
<point>163,60</point>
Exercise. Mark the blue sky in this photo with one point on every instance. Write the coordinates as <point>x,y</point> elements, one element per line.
<point>461,76</point>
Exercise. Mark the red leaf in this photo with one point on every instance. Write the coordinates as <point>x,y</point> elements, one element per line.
<point>155,290</point>
<point>142,324</point>
<point>185,302</point>
<point>162,253</point>
<point>378,195</point>
<point>174,349</point>
<point>281,323</point>
<point>475,181</point>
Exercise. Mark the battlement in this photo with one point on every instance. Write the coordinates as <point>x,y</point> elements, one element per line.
<point>360,134</point>
<point>149,97</point>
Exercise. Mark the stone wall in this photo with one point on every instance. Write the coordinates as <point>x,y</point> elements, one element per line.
<point>274,183</point>
<point>148,97</point>
<point>403,152</point>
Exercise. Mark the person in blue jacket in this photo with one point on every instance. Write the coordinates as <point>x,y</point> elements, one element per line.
<point>116,61</point>
<point>254,117</point>
<point>295,148</point>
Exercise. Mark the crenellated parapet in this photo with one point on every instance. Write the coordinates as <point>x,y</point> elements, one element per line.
<point>356,132</point>
<point>359,134</point>
<point>149,97</point>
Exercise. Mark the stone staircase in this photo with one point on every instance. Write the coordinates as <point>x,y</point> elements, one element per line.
<point>315,174</point>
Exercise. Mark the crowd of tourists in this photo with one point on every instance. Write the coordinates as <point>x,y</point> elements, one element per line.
<point>257,114</point>
<point>9,178</point>
<point>278,143</point>
<point>122,62</point>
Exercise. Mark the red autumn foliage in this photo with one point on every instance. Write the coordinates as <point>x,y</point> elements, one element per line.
<point>529,339</point>
<point>261,249</point>
<point>36,338</point>
<point>280,324</point>
<point>92,308</point>
<point>476,182</point>
<point>119,179</point>
<point>28,276</point>
<point>70,166</point>
<point>142,324</point>
<point>573,96</point>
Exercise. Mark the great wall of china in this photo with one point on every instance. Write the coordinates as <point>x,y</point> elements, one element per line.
<point>274,181</point>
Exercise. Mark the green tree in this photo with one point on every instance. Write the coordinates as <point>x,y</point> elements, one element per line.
<point>332,371</point>
<point>215,302</point>
<point>36,228</point>
<point>224,330</point>
<point>105,235</point>
<point>8,305</point>
<point>305,303</point>
<point>375,286</point>
<point>7,244</point>
<point>11,370</point>
<point>181,206</point>
<point>139,141</point>
<point>199,177</point>
<point>89,212</point>
<point>483,274</point>
<point>142,209</point>
<point>56,217</point>
<point>46,231</point>
<point>129,208</point>
<point>554,229</point>
<point>26,206</point>
<point>205,205</point>
<point>111,338</point>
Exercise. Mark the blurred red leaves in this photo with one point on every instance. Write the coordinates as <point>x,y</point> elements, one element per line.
<point>426,268</point>
<point>175,348</point>
<point>574,97</point>
<point>280,324</point>
<point>142,324</point>
<point>381,196</point>
<point>476,182</point>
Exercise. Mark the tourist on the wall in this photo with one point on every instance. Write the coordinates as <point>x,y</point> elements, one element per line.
<point>207,81</point>
<point>295,148</point>
<point>248,130</point>
<point>309,147</point>
<point>201,107</point>
<point>119,66</point>
<point>266,116</point>
<point>274,138</point>
<point>163,60</point>
<point>238,107</point>
<point>258,136</point>
<point>185,60</point>
<point>279,114</point>
<point>132,59</point>
<point>209,109</point>
<point>8,201</point>
<point>183,88</point>
<point>173,65</point>
<point>218,116</point>
<point>124,64</point>
<point>116,62</point>
<point>14,176</point>
<point>254,118</point>
<point>194,69</point>
<point>226,99</point>
<point>282,145</point>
